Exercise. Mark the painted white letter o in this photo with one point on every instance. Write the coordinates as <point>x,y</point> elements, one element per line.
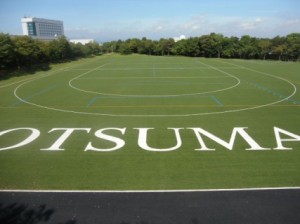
<point>35,133</point>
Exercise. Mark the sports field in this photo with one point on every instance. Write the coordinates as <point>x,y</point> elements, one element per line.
<point>152,123</point>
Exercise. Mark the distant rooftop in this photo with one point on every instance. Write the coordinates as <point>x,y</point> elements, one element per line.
<point>82,41</point>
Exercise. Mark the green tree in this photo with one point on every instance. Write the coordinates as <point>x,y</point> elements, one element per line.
<point>146,46</point>
<point>110,47</point>
<point>278,48</point>
<point>85,49</point>
<point>164,46</point>
<point>264,46</point>
<point>133,45</point>
<point>76,50</point>
<point>280,51</point>
<point>206,49</point>
<point>248,47</point>
<point>125,47</point>
<point>64,48</point>
<point>187,47</point>
<point>217,43</point>
<point>230,47</point>
<point>27,51</point>
<point>179,48</point>
<point>60,50</point>
<point>44,46</point>
<point>7,53</point>
<point>94,48</point>
<point>293,44</point>
<point>211,45</point>
<point>192,47</point>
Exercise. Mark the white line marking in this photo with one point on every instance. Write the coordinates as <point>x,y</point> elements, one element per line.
<point>165,68</point>
<point>89,71</point>
<point>33,78</point>
<point>166,77</point>
<point>169,95</point>
<point>166,115</point>
<point>13,83</point>
<point>151,191</point>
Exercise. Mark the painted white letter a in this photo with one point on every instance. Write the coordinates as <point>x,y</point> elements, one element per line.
<point>279,140</point>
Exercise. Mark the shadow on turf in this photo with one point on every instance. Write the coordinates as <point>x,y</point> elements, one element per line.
<point>30,70</point>
<point>21,214</point>
<point>7,74</point>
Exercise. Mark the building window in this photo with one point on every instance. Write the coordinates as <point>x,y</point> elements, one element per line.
<point>31,29</point>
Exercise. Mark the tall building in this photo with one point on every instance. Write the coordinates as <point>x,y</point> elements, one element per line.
<point>43,29</point>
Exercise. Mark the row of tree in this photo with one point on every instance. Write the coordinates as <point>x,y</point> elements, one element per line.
<point>214,45</point>
<point>23,51</point>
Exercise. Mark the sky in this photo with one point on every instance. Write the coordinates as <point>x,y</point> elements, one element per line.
<point>106,20</point>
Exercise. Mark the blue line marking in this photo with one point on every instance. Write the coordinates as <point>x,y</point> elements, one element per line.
<point>217,100</point>
<point>274,92</point>
<point>35,94</point>
<point>92,101</point>
<point>95,98</point>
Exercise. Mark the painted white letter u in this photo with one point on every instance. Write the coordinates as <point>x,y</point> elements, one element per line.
<point>142,140</point>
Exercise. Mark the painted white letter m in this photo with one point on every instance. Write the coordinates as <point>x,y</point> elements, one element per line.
<point>229,145</point>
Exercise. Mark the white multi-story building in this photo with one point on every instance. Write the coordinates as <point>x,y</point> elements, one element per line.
<point>43,29</point>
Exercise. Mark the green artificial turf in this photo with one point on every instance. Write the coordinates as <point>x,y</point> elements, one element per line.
<point>163,93</point>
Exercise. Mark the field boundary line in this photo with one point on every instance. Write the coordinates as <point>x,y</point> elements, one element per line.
<point>270,75</point>
<point>145,106</point>
<point>46,74</point>
<point>219,70</point>
<point>166,115</point>
<point>166,77</point>
<point>157,68</point>
<point>151,191</point>
<point>89,71</point>
<point>36,94</point>
<point>13,83</point>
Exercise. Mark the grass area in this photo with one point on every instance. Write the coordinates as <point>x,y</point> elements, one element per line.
<point>130,92</point>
